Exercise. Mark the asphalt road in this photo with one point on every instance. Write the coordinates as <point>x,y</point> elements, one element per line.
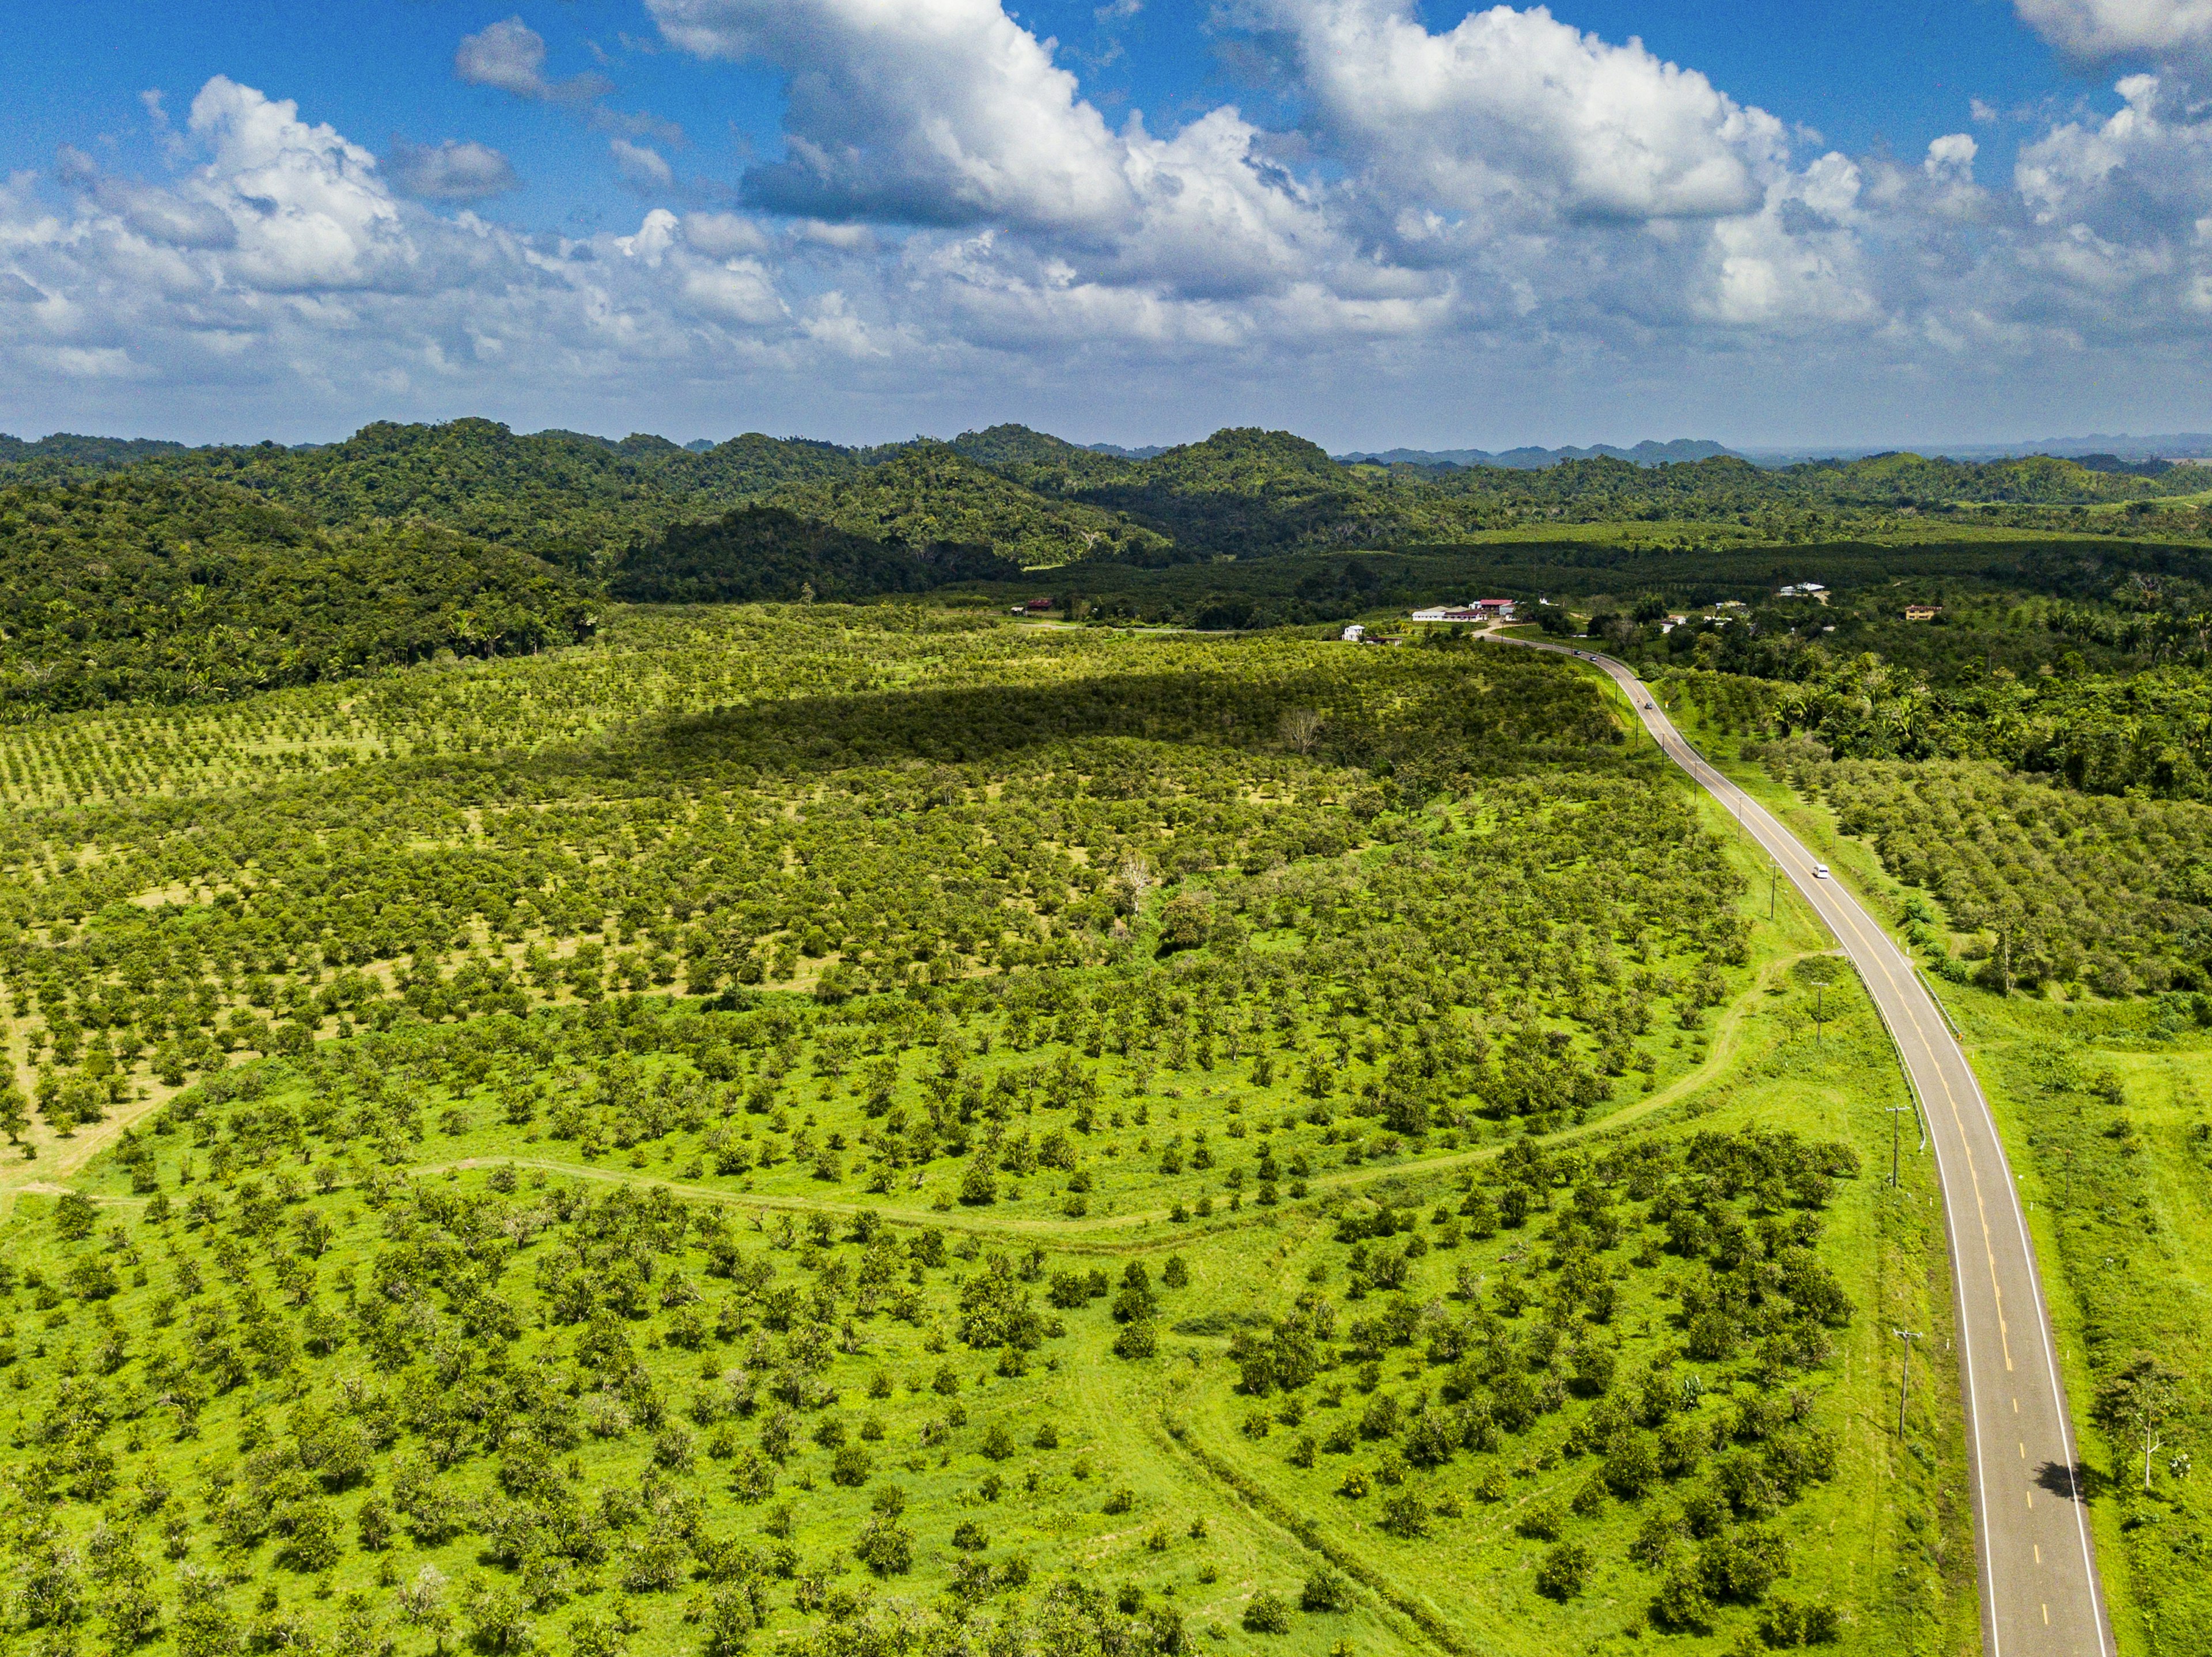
<point>2038,1570</point>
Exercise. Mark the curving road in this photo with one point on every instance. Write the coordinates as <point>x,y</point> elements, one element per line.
<point>2038,1570</point>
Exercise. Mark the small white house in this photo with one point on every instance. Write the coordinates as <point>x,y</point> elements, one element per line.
<point>1354,634</point>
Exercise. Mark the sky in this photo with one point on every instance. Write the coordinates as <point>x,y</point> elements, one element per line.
<point>1370,221</point>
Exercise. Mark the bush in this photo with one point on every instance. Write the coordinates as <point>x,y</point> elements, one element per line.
<point>1267,1613</point>
<point>1406,1516</point>
<point>1542,1521</point>
<point>1682,1601</point>
<point>1136,1341</point>
<point>886,1546</point>
<point>1788,1623</point>
<point>1566,1566</point>
<point>1326,1589</point>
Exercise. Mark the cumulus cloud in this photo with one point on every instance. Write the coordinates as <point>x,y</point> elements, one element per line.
<point>948,202</point>
<point>2092,32</point>
<point>288,257</point>
<point>454,171</point>
<point>1515,109</point>
<point>933,112</point>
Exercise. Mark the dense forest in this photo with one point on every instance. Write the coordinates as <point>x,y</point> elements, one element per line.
<point>758,553</point>
<point>2084,664</point>
<point>141,588</point>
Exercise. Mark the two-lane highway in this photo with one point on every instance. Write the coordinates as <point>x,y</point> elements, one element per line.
<point>2039,1571</point>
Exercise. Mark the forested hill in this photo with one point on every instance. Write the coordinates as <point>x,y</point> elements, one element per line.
<point>580,501</point>
<point>766,553</point>
<point>584,502</point>
<point>139,588</point>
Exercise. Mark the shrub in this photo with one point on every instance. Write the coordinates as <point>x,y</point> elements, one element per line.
<point>1788,1623</point>
<point>1542,1521</point>
<point>1136,1341</point>
<point>1406,1516</point>
<point>1682,1601</point>
<point>886,1546</point>
<point>1566,1566</point>
<point>1267,1613</point>
<point>1326,1589</point>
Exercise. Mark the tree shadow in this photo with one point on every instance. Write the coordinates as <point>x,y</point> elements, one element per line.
<point>2079,1482</point>
<point>1494,722</point>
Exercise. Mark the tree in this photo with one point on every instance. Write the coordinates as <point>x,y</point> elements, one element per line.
<point>1563,1570</point>
<point>1327,1589</point>
<point>1299,728</point>
<point>15,1109</point>
<point>423,1605</point>
<point>2137,1402</point>
<point>886,1546</point>
<point>75,1215</point>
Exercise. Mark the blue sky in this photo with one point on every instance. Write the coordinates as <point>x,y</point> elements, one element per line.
<point>1369,222</point>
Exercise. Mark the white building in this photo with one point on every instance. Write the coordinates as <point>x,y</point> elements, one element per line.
<point>1480,611</point>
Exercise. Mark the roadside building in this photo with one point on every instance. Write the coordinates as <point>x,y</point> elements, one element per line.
<point>1482,610</point>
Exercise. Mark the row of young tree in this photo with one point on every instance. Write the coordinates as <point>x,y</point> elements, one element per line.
<point>1116,813</point>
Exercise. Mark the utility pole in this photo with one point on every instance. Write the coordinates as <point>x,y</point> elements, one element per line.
<point>1895,1111</point>
<point>1904,1373</point>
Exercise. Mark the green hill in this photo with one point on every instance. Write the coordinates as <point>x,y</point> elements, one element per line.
<point>138,588</point>
<point>923,493</point>
<point>758,553</point>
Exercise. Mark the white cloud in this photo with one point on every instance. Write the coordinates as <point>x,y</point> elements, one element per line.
<point>932,111</point>
<point>1951,158</point>
<point>641,167</point>
<point>511,56</point>
<point>1515,111</point>
<point>741,291</point>
<point>951,209</point>
<point>454,171</point>
<point>2106,31</point>
<point>719,235</point>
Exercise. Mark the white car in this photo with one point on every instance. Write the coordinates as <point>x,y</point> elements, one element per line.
<point>1819,871</point>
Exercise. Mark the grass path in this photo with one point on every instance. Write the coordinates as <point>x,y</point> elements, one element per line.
<point>59,1159</point>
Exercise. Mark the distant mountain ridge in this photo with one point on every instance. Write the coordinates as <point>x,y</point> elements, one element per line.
<point>1532,458</point>
<point>2120,446</point>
